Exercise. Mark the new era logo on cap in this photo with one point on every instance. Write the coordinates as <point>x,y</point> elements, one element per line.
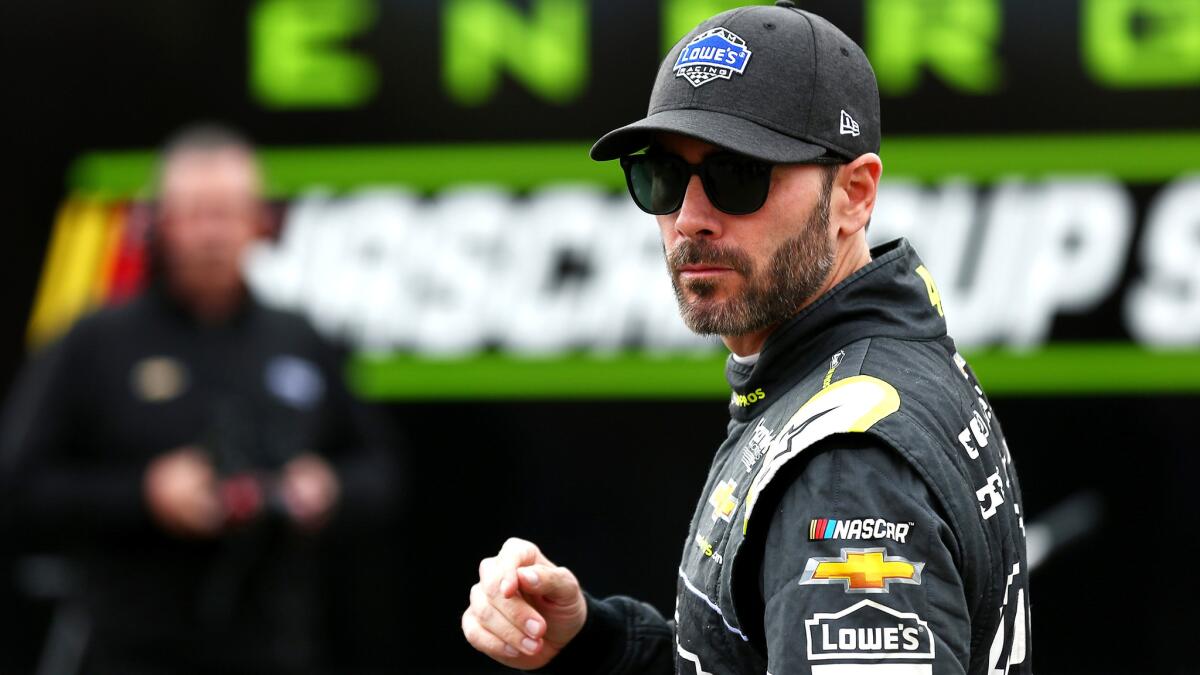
<point>849,126</point>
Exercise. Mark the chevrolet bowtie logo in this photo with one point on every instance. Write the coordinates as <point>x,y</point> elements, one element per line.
<point>862,570</point>
<point>723,501</point>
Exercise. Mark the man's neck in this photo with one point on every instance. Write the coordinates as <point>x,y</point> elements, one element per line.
<point>215,311</point>
<point>211,307</point>
<point>748,344</point>
<point>849,260</point>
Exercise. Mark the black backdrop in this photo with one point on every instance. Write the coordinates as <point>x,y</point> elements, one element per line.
<point>615,509</point>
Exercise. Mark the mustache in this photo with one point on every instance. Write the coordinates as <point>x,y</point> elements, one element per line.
<point>690,252</point>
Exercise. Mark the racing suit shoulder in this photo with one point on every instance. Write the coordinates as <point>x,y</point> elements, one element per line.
<point>857,557</point>
<point>909,402</point>
<point>947,433</point>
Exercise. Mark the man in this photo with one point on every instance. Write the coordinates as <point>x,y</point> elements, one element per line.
<point>188,446</point>
<point>863,515</point>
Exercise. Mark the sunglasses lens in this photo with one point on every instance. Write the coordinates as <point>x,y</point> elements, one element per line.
<point>737,185</point>
<point>656,183</point>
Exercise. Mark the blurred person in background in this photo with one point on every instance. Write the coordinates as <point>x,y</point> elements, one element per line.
<point>863,514</point>
<point>189,447</point>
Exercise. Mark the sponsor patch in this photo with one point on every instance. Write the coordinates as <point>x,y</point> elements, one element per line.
<point>821,529</point>
<point>746,400</point>
<point>722,500</point>
<point>158,379</point>
<point>760,440</point>
<point>705,546</point>
<point>295,381</point>
<point>868,630</point>
<point>935,298</point>
<point>712,55</point>
<point>862,570</point>
<point>833,366</point>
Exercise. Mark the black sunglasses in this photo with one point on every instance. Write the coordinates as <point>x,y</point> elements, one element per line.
<point>735,184</point>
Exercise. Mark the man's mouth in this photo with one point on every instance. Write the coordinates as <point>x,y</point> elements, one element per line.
<point>701,271</point>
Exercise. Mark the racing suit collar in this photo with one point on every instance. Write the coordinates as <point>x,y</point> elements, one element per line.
<point>885,298</point>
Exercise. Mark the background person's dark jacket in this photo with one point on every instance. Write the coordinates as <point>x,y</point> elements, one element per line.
<point>127,384</point>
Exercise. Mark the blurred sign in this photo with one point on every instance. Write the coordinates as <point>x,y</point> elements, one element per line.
<point>1063,242</point>
<point>367,53</point>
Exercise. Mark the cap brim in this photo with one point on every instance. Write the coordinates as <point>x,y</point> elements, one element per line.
<point>720,129</point>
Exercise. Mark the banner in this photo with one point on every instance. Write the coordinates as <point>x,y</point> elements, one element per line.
<point>1040,157</point>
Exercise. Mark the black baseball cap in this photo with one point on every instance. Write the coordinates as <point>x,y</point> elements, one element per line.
<point>776,83</point>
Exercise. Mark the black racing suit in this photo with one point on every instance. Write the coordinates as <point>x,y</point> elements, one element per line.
<point>127,384</point>
<point>862,517</point>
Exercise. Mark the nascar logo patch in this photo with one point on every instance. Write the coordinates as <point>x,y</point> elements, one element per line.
<point>715,54</point>
<point>821,529</point>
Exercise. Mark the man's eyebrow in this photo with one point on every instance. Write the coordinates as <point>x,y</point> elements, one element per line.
<point>657,147</point>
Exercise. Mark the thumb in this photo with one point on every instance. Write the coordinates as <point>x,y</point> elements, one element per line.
<point>556,585</point>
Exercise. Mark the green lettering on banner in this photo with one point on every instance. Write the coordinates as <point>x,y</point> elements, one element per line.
<point>546,50</point>
<point>679,17</point>
<point>298,58</point>
<point>955,39</point>
<point>1142,43</point>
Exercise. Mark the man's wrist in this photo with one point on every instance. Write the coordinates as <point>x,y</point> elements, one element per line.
<point>596,648</point>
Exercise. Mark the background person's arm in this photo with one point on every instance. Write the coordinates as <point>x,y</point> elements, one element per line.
<point>364,452</point>
<point>49,484</point>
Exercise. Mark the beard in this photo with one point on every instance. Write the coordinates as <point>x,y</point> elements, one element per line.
<point>769,296</point>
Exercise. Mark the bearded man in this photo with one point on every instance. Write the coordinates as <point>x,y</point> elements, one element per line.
<point>863,515</point>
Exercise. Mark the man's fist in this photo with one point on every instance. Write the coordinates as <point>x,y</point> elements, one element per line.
<point>180,489</point>
<point>310,491</point>
<point>524,609</point>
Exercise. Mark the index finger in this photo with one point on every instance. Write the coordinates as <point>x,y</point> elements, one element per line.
<point>514,554</point>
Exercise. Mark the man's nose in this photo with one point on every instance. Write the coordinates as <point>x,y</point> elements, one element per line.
<point>698,218</point>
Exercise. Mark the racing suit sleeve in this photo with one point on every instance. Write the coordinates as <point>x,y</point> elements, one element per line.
<point>621,636</point>
<point>859,571</point>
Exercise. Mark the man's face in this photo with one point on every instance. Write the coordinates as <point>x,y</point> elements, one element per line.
<point>735,275</point>
<point>211,211</point>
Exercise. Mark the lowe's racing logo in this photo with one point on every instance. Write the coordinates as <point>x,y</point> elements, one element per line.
<point>713,54</point>
<point>870,630</point>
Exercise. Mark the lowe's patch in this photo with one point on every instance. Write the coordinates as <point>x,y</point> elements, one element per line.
<point>711,55</point>
<point>870,630</point>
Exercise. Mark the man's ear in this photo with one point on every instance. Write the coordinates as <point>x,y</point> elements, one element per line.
<point>859,182</point>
